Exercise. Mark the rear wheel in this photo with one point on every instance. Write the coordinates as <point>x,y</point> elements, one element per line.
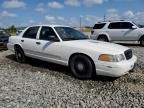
<point>103,38</point>
<point>19,54</point>
<point>142,41</point>
<point>81,67</point>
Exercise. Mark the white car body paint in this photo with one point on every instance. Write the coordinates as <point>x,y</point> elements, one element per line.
<point>115,35</point>
<point>60,52</point>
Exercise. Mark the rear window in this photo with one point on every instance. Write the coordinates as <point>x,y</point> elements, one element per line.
<point>99,26</point>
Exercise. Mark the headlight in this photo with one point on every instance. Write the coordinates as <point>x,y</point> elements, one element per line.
<point>119,57</point>
<point>111,58</point>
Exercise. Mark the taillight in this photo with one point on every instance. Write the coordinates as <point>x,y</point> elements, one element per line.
<point>92,32</point>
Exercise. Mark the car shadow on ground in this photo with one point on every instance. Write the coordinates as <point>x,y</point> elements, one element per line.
<point>3,49</point>
<point>57,68</point>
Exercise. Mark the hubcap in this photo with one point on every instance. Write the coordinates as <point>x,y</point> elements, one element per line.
<point>80,66</point>
<point>18,56</point>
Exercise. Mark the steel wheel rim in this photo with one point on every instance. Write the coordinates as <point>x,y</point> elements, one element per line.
<point>18,56</point>
<point>81,67</point>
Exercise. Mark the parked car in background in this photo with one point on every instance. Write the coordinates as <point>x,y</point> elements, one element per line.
<point>67,46</point>
<point>4,37</point>
<point>19,30</point>
<point>118,31</point>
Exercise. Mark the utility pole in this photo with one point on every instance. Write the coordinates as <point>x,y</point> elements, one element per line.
<point>81,21</point>
<point>104,17</point>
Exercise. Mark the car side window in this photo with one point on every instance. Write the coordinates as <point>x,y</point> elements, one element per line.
<point>114,25</point>
<point>46,34</point>
<point>126,25</point>
<point>31,32</point>
<point>99,26</point>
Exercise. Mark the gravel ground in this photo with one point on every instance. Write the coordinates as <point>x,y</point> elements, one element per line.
<point>39,84</point>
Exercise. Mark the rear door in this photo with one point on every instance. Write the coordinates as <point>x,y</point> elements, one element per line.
<point>28,40</point>
<point>114,31</point>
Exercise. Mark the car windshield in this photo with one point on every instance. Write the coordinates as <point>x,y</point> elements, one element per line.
<point>139,25</point>
<point>67,34</point>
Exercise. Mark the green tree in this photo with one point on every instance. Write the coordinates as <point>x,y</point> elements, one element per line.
<point>11,30</point>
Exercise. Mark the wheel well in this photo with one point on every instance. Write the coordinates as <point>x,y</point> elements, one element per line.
<point>141,37</point>
<point>18,46</point>
<point>84,55</point>
<point>103,36</point>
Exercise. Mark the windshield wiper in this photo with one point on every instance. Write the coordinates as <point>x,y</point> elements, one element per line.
<point>82,38</point>
<point>67,39</point>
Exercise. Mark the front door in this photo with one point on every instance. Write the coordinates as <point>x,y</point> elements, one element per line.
<point>128,32</point>
<point>49,46</point>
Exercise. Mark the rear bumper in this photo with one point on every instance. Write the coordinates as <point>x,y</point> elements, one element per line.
<point>10,46</point>
<point>115,69</point>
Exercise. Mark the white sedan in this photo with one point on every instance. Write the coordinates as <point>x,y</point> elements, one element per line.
<point>67,46</point>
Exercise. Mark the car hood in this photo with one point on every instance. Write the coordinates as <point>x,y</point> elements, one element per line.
<point>142,28</point>
<point>4,38</point>
<point>98,46</point>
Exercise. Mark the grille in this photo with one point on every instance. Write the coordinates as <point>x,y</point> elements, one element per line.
<point>5,41</point>
<point>128,54</point>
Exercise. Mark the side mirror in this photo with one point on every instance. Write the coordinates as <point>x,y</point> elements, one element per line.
<point>53,38</point>
<point>134,27</point>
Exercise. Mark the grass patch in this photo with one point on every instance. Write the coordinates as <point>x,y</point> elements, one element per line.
<point>85,30</point>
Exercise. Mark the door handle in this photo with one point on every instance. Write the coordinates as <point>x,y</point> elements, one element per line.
<point>22,40</point>
<point>38,43</point>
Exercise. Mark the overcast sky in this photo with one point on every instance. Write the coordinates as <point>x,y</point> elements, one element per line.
<point>68,12</point>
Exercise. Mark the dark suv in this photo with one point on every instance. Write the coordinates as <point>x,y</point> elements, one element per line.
<point>3,40</point>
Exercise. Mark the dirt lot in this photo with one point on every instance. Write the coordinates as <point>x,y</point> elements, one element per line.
<point>39,84</point>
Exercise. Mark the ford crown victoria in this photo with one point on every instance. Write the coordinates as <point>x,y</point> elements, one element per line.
<point>67,46</point>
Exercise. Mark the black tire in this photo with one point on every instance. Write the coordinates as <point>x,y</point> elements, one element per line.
<point>103,38</point>
<point>19,54</point>
<point>81,67</point>
<point>142,41</point>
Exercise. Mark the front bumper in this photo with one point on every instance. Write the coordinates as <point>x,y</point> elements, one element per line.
<point>3,45</point>
<point>115,69</point>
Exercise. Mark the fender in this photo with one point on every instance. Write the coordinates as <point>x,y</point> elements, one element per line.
<point>12,42</point>
<point>105,34</point>
<point>140,38</point>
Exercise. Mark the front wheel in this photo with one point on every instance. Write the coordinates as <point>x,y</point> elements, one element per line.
<point>19,54</point>
<point>81,67</point>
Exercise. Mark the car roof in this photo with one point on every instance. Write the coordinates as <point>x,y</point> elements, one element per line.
<point>50,25</point>
<point>1,30</point>
<point>113,21</point>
